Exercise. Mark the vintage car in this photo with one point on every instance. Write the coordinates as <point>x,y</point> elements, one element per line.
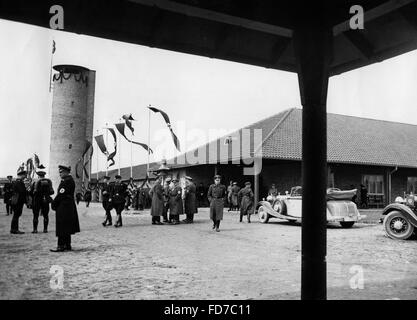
<point>400,218</point>
<point>340,208</point>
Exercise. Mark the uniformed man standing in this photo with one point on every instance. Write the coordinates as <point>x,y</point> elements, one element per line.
<point>42,191</point>
<point>87,197</point>
<point>175,202</point>
<point>246,201</point>
<point>234,196</point>
<point>67,222</point>
<point>118,198</point>
<point>190,200</point>
<point>106,201</point>
<point>18,199</point>
<point>216,195</point>
<point>157,206</point>
<point>201,194</point>
<point>166,199</point>
<point>8,192</point>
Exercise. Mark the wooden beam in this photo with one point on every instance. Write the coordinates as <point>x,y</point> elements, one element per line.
<point>358,40</point>
<point>216,16</point>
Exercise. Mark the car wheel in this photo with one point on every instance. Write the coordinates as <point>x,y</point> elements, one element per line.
<point>263,215</point>
<point>347,224</point>
<point>397,226</point>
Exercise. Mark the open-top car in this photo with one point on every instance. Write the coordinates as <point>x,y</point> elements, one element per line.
<point>340,207</point>
<point>400,218</point>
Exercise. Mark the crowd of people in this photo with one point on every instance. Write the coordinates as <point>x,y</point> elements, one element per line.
<point>168,198</point>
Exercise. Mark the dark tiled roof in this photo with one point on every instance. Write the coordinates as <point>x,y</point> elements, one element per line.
<point>350,140</point>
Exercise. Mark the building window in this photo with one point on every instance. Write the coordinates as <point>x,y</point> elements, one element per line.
<point>411,185</point>
<point>70,146</point>
<point>72,103</point>
<point>71,125</point>
<point>374,183</point>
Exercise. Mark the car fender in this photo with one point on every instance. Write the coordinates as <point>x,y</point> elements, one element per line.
<point>406,211</point>
<point>268,208</point>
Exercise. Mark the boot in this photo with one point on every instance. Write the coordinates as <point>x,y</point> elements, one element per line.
<point>35,226</point>
<point>45,225</point>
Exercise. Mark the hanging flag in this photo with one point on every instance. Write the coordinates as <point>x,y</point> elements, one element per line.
<point>29,166</point>
<point>121,128</point>
<point>166,118</point>
<point>37,161</point>
<point>128,119</point>
<point>21,167</point>
<point>81,159</point>
<point>101,145</point>
<point>53,46</point>
<point>111,156</point>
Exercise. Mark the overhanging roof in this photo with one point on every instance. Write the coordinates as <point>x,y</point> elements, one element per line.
<point>252,32</point>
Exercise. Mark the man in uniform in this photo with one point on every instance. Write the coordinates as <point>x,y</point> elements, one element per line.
<point>190,200</point>
<point>87,197</point>
<point>175,202</point>
<point>273,191</point>
<point>201,194</point>
<point>41,192</point>
<point>67,222</point>
<point>234,196</point>
<point>18,199</point>
<point>118,198</point>
<point>106,201</point>
<point>8,192</point>
<point>157,206</point>
<point>246,201</point>
<point>216,195</point>
<point>166,199</point>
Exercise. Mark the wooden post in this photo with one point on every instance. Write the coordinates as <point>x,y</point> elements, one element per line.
<point>313,47</point>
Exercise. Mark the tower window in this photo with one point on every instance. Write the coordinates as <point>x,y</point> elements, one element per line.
<point>71,125</point>
<point>70,146</point>
<point>72,103</point>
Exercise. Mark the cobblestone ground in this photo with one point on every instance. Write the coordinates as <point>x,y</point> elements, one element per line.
<point>191,261</point>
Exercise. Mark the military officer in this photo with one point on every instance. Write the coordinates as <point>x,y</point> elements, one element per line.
<point>18,199</point>
<point>216,195</point>
<point>42,191</point>
<point>106,201</point>
<point>67,222</point>
<point>234,196</point>
<point>190,200</point>
<point>175,202</point>
<point>157,206</point>
<point>246,201</point>
<point>166,199</point>
<point>8,192</point>
<point>118,198</point>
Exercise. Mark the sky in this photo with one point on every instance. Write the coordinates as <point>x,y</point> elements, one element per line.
<point>204,97</point>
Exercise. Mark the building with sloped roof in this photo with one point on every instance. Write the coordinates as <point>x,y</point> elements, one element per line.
<point>381,155</point>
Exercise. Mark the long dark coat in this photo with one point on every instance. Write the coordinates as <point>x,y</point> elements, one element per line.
<point>8,191</point>
<point>157,194</point>
<point>234,195</point>
<point>246,201</point>
<point>216,195</point>
<point>190,199</point>
<point>175,201</point>
<point>66,210</point>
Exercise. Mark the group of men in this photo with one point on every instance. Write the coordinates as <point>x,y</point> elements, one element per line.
<point>37,195</point>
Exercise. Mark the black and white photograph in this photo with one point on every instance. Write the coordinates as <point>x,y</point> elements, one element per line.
<point>216,151</point>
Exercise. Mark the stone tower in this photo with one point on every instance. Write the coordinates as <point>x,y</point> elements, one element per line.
<point>72,120</point>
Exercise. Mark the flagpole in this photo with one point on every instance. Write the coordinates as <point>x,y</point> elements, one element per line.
<point>107,143</point>
<point>149,140</point>
<point>120,148</point>
<point>97,156</point>
<point>131,159</point>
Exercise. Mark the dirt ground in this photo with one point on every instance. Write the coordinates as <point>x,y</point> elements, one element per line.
<point>191,261</point>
